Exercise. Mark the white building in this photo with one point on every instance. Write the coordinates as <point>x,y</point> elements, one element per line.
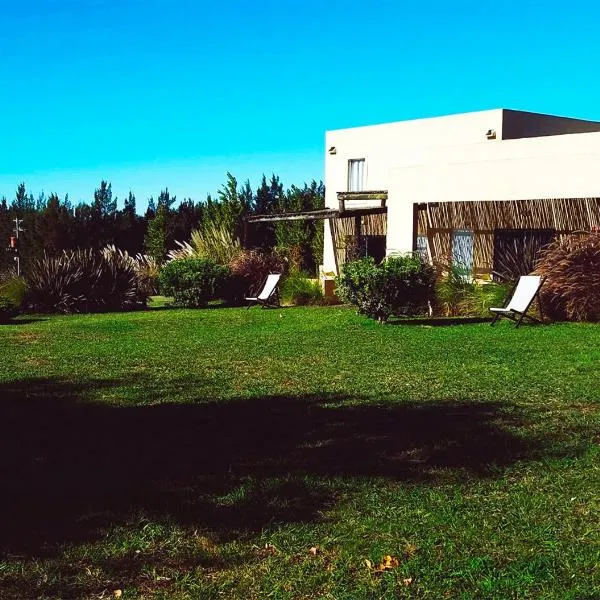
<point>425,170</point>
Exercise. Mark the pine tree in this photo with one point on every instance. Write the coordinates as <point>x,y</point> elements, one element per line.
<point>156,240</point>
<point>104,212</point>
<point>23,202</point>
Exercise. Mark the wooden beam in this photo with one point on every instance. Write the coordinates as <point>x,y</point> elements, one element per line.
<point>367,195</point>
<point>313,215</point>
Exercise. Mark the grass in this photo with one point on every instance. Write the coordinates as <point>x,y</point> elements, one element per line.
<point>283,454</point>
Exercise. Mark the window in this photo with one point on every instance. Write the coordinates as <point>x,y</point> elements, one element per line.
<point>462,252</point>
<point>356,175</point>
<point>422,248</point>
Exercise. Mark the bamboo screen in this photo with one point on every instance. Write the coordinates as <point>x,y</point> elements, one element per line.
<point>563,215</point>
<point>343,231</point>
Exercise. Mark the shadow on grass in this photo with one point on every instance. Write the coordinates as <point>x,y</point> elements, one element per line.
<point>440,321</point>
<point>22,321</point>
<point>72,467</point>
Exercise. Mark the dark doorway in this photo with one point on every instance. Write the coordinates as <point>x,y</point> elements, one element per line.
<point>374,246</point>
<point>516,251</point>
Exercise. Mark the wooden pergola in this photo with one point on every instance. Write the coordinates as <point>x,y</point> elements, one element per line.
<point>358,214</point>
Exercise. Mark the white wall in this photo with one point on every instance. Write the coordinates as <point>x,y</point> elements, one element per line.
<point>565,166</point>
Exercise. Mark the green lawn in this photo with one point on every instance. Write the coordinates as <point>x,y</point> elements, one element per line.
<point>203,454</point>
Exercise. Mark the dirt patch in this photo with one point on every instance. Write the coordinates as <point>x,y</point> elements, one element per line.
<point>27,337</point>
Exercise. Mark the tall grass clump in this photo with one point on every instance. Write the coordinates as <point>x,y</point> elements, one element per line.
<point>572,269</point>
<point>214,241</point>
<point>86,281</point>
<point>298,289</point>
<point>458,294</point>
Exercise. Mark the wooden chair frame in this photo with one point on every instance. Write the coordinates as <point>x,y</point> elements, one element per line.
<point>517,316</point>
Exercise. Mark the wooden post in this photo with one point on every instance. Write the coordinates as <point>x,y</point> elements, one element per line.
<point>415,231</point>
<point>245,234</point>
<point>358,234</point>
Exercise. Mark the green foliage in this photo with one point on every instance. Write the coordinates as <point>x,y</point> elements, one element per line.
<point>401,284</point>
<point>54,224</point>
<point>572,270</point>
<point>157,237</point>
<point>85,281</point>
<point>299,239</point>
<point>12,293</point>
<point>228,211</point>
<point>458,295</point>
<point>298,290</point>
<point>193,282</point>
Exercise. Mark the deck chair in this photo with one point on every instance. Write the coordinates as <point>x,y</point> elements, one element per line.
<point>528,288</point>
<point>269,295</point>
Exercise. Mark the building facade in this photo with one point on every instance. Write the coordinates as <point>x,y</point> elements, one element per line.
<point>463,185</point>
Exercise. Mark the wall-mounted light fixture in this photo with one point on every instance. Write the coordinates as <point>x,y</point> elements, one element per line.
<point>332,150</point>
<point>491,134</point>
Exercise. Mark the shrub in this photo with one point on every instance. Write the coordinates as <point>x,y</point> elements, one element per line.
<point>85,281</point>
<point>249,269</point>
<point>401,284</point>
<point>572,270</point>
<point>193,282</point>
<point>298,290</point>
<point>12,292</point>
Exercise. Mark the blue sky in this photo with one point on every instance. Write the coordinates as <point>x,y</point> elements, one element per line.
<point>157,93</point>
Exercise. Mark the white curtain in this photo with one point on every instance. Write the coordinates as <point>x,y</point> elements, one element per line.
<point>356,175</point>
<point>462,251</point>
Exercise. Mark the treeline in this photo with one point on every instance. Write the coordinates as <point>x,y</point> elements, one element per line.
<point>52,224</point>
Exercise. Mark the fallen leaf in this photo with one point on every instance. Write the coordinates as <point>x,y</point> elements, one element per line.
<point>388,562</point>
<point>368,563</point>
<point>117,593</point>
<point>314,550</point>
<point>407,581</point>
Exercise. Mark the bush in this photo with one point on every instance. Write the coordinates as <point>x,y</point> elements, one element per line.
<point>401,284</point>
<point>298,290</point>
<point>249,269</point>
<point>12,292</point>
<point>193,282</point>
<point>459,296</point>
<point>572,270</point>
<point>85,281</point>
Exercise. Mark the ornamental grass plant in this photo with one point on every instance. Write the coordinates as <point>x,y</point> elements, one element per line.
<point>571,266</point>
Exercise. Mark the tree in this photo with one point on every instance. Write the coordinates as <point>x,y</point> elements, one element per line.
<point>51,227</point>
<point>230,208</point>
<point>104,212</point>
<point>302,240</point>
<point>157,236</point>
<point>6,258</point>
<point>267,200</point>
<point>23,202</point>
<point>130,227</point>
<point>159,233</point>
<point>187,217</point>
